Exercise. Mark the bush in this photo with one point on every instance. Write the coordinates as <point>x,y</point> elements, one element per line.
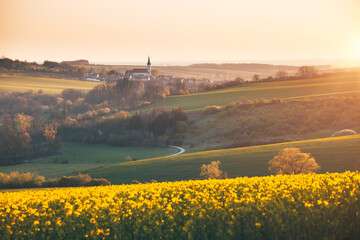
<point>20,180</point>
<point>74,181</point>
<point>122,115</point>
<point>128,159</point>
<point>344,132</point>
<point>31,180</point>
<point>211,109</point>
<point>212,171</point>
<point>99,182</point>
<point>293,161</point>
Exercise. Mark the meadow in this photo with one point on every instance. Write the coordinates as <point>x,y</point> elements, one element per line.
<point>314,206</point>
<point>48,85</point>
<point>332,154</point>
<point>287,90</point>
<point>79,157</point>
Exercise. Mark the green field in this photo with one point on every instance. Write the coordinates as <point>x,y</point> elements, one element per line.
<point>79,157</point>
<point>317,87</point>
<point>332,154</point>
<point>48,85</point>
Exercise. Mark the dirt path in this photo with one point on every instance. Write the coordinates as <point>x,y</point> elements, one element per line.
<point>179,148</point>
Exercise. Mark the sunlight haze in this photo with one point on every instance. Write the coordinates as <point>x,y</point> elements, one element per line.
<point>177,32</point>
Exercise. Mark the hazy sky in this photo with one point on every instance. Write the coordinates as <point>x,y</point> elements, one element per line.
<point>180,31</point>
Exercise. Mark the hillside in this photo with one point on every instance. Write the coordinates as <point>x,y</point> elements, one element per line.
<point>332,154</point>
<point>48,85</point>
<point>249,123</point>
<point>317,87</point>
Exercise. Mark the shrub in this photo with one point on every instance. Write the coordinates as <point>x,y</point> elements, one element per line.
<point>99,182</point>
<point>20,180</point>
<point>344,132</point>
<point>128,159</point>
<point>211,109</point>
<point>122,115</point>
<point>293,161</point>
<point>212,171</point>
<point>31,180</point>
<point>74,181</point>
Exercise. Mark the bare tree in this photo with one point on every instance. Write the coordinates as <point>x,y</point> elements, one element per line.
<point>256,78</point>
<point>281,74</point>
<point>307,72</point>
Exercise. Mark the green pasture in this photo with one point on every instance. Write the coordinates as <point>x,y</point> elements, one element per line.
<point>332,154</point>
<point>100,153</point>
<point>317,87</point>
<point>78,157</point>
<point>48,85</point>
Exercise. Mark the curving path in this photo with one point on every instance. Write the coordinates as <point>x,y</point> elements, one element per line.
<point>179,148</point>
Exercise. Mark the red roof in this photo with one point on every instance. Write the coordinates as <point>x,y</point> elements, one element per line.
<point>140,71</point>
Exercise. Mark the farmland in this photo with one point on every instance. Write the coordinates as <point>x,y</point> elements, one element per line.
<point>332,154</point>
<point>78,157</point>
<point>48,85</point>
<point>275,207</point>
<point>318,87</point>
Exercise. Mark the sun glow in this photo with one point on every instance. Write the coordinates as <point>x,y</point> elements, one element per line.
<point>357,50</point>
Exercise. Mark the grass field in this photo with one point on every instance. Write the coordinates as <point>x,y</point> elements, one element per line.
<point>48,85</point>
<point>318,87</point>
<point>81,157</point>
<point>332,154</point>
<point>100,153</point>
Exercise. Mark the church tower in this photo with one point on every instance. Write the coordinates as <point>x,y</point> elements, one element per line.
<point>149,65</point>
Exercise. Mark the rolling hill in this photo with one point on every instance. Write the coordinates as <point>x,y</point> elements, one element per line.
<point>317,87</point>
<point>332,154</point>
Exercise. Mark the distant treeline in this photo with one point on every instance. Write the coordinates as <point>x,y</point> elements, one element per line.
<point>64,67</point>
<point>158,127</point>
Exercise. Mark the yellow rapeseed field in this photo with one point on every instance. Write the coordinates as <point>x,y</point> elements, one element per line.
<point>323,206</point>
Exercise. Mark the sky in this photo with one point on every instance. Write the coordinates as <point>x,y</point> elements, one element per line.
<point>181,32</point>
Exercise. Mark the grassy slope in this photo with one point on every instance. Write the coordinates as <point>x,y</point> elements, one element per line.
<point>318,87</point>
<point>99,153</point>
<point>332,154</point>
<point>82,157</point>
<point>49,85</point>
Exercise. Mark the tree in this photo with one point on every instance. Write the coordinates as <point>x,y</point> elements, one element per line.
<point>50,134</point>
<point>23,126</point>
<point>154,72</point>
<point>307,72</point>
<point>212,171</point>
<point>281,74</point>
<point>256,78</point>
<point>293,161</point>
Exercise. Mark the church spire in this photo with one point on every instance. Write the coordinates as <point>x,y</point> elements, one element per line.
<point>149,65</point>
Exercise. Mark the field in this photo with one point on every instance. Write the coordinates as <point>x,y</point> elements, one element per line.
<point>322,206</point>
<point>318,87</point>
<point>79,157</point>
<point>332,154</point>
<point>216,72</point>
<point>48,85</point>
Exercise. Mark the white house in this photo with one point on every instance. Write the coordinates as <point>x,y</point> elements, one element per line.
<point>140,72</point>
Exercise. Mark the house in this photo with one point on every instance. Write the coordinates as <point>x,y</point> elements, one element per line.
<point>140,73</point>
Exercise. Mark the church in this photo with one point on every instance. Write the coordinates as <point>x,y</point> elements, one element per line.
<point>140,73</point>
